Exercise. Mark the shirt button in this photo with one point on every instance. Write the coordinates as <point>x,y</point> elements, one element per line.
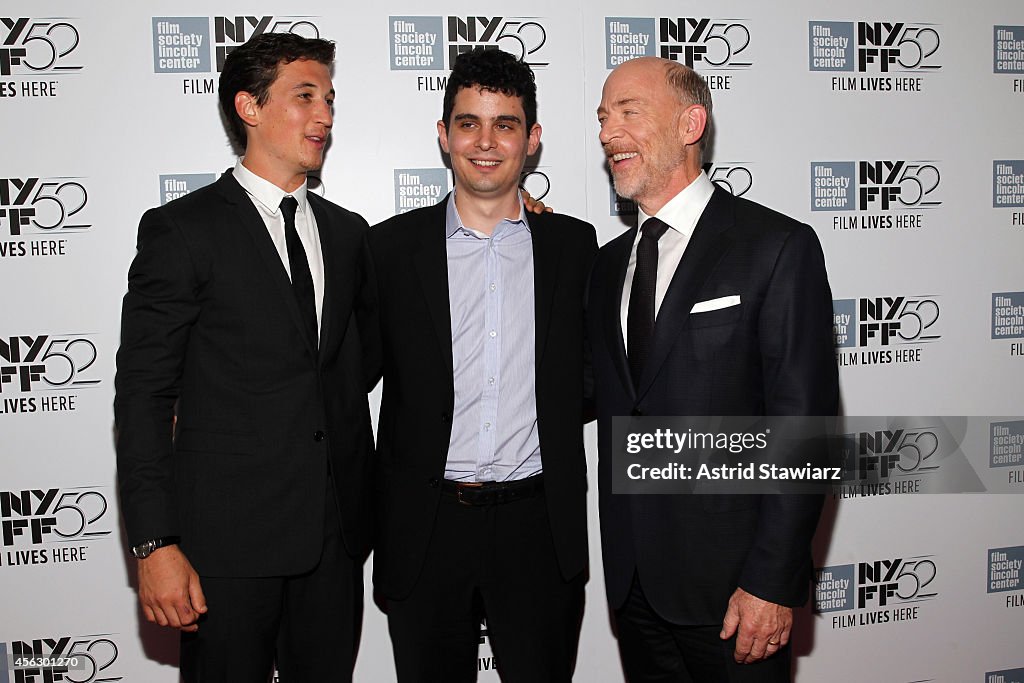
<point>487,426</point>
<point>493,286</point>
<point>490,380</point>
<point>434,483</point>
<point>319,435</point>
<point>493,334</point>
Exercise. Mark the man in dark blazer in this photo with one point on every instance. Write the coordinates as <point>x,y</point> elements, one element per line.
<point>482,486</point>
<point>251,524</point>
<point>716,306</point>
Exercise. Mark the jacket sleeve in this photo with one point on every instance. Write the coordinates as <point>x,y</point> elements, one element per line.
<point>158,312</point>
<point>800,377</point>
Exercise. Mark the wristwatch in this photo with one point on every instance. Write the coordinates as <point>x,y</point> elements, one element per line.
<point>145,549</point>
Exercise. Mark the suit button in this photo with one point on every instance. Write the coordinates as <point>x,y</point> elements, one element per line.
<point>445,418</point>
<point>636,412</point>
<point>434,483</point>
<point>319,435</point>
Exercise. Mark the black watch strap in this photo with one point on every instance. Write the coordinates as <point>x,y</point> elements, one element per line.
<point>146,548</point>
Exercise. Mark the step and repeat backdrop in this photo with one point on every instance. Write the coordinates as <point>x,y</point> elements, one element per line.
<point>891,127</point>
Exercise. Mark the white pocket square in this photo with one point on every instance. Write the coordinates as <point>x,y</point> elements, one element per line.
<point>715,304</point>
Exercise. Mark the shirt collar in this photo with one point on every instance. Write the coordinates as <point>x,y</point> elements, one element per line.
<point>682,212</point>
<point>266,193</point>
<point>453,222</point>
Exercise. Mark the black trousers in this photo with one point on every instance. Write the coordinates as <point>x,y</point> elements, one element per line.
<point>654,650</point>
<point>310,622</point>
<point>493,561</point>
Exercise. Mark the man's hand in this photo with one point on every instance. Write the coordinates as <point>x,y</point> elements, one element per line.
<point>763,626</point>
<point>169,589</point>
<point>533,205</point>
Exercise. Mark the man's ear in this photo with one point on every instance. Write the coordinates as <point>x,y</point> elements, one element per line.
<point>693,123</point>
<point>442,135</point>
<point>247,108</point>
<point>533,138</point>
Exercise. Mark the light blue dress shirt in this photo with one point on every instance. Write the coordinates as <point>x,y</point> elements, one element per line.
<point>490,290</point>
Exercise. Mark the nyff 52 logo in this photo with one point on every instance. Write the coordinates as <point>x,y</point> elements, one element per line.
<point>36,516</point>
<point>874,185</point>
<point>886,453</point>
<point>42,205</point>
<point>699,42</point>
<point>885,582</point>
<point>36,46</point>
<point>881,583</point>
<point>46,361</point>
<point>885,320</point>
<point>873,46</point>
<point>432,43</point>
<point>76,659</point>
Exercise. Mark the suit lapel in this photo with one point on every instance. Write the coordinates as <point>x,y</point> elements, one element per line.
<point>620,249</point>
<point>707,244</point>
<point>547,251</point>
<point>431,262</point>
<point>247,215</point>
<point>338,289</point>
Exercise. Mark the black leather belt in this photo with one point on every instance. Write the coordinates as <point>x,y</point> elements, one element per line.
<point>494,492</point>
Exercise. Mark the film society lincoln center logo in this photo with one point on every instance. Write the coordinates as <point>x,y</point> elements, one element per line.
<point>875,592</point>
<point>1004,574</point>
<point>419,187</point>
<point>36,53</point>
<point>1008,53</point>
<point>1008,188</point>
<point>175,185</point>
<point>1008,319</point>
<point>887,56</point>
<point>199,45</point>
<point>1005,676</point>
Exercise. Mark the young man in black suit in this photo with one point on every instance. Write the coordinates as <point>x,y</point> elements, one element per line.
<point>251,523</point>
<point>716,306</point>
<point>482,481</point>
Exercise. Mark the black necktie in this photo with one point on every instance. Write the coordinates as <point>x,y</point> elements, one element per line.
<point>302,280</point>
<point>640,318</point>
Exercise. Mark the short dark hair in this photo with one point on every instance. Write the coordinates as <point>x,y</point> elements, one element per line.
<point>252,68</point>
<point>496,71</point>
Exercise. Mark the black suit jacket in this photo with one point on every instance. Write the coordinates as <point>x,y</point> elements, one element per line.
<point>408,296</point>
<point>770,355</point>
<point>211,333</point>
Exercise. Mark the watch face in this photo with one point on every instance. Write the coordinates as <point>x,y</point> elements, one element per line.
<point>143,550</point>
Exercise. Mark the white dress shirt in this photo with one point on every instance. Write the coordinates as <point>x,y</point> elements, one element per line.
<point>266,197</point>
<point>681,214</point>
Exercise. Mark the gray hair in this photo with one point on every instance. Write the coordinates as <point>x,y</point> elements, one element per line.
<point>691,89</point>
